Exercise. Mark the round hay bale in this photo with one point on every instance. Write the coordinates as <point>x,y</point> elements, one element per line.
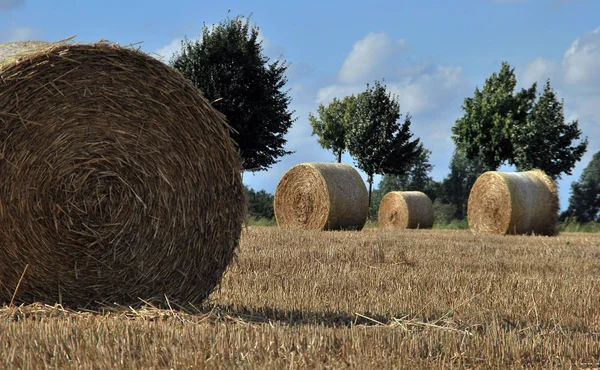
<point>513,203</point>
<point>321,196</point>
<point>406,210</point>
<point>119,181</point>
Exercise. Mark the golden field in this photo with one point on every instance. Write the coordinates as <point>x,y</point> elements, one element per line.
<point>371,299</point>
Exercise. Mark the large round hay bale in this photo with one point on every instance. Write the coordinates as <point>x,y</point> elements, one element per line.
<point>513,203</point>
<point>321,196</point>
<point>406,210</point>
<point>119,181</point>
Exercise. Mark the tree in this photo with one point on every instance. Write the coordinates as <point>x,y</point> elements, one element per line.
<point>456,187</point>
<point>419,174</point>
<point>416,178</point>
<point>377,141</point>
<point>490,117</point>
<point>332,125</point>
<point>228,66</point>
<point>584,202</point>
<point>544,141</point>
<point>260,203</point>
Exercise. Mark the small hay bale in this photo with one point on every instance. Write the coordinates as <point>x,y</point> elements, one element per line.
<point>513,203</point>
<point>321,196</point>
<point>119,180</point>
<point>406,210</point>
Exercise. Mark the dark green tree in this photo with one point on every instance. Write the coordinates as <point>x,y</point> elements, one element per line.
<point>260,203</point>
<point>456,187</point>
<point>228,65</point>
<point>584,202</point>
<point>416,178</point>
<point>419,173</point>
<point>485,130</point>
<point>545,141</point>
<point>377,140</point>
<point>332,124</point>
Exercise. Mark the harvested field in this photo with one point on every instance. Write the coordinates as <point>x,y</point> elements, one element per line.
<point>379,298</point>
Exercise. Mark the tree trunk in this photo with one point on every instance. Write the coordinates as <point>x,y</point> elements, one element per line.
<point>340,156</point>
<point>370,181</point>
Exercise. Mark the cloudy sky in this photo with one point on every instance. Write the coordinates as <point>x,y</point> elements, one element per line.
<point>431,53</point>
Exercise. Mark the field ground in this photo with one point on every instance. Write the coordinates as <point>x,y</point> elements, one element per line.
<point>371,299</point>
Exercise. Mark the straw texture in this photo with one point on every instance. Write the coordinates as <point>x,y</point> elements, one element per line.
<point>119,180</point>
<point>321,196</point>
<point>513,203</point>
<point>406,210</point>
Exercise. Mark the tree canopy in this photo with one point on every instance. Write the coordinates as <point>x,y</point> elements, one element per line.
<point>485,130</point>
<point>500,126</point>
<point>544,141</point>
<point>584,202</point>
<point>228,65</point>
<point>332,124</point>
<point>416,178</point>
<point>260,203</point>
<point>456,187</point>
<point>377,140</point>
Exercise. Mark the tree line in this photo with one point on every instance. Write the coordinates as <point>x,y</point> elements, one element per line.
<point>524,128</point>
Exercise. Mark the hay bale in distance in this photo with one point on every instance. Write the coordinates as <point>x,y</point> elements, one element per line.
<point>513,203</point>
<point>119,180</point>
<point>406,210</point>
<point>321,196</point>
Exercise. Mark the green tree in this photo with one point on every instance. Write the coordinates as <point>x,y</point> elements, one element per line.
<point>456,187</point>
<point>419,173</point>
<point>416,178</point>
<point>332,124</point>
<point>544,140</point>
<point>485,130</point>
<point>377,141</point>
<point>584,202</point>
<point>260,203</point>
<point>227,64</point>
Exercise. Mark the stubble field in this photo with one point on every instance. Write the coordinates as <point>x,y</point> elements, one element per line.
<point>370,299</point>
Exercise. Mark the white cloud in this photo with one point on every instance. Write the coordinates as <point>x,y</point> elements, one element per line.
<point>367,56</point>
<point>10,4</point>
<point>419,93</point>
<point>581,60</point>
<point>431,93</point>
<point>270,49</point>
<point>577,81</point>
<point>15,33</point>
<point>166,52</point>
<point>538,71</point>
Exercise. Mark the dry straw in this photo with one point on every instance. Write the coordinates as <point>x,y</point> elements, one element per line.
<point>406,210</point>
<point>119,180</point>
<point>321,196</point>
<point>513,203</point>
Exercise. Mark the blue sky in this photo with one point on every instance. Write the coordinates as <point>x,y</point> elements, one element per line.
<point>431,53</point>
